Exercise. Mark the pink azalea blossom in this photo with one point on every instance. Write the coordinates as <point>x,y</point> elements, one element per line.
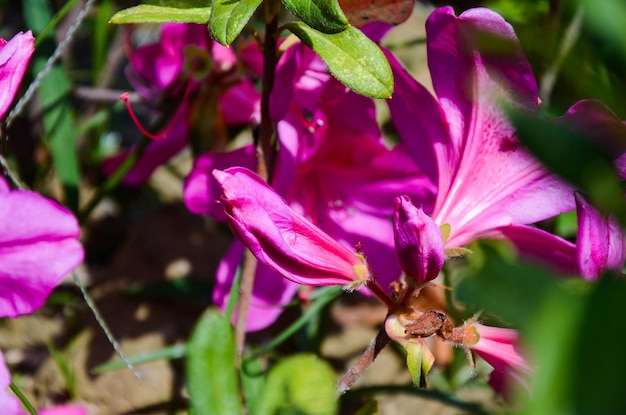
<point>463,139</point>
<point>418,241</point>
<point>281,238</point>
<point>163,70</point>
<point>14,57</point>
<point>331,167</point>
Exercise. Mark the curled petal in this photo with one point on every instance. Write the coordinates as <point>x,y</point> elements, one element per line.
<point>601,241</point>
<point>38,247</point>
<point>281,238</point>
<point>14,57</point>
<point>419,241</point>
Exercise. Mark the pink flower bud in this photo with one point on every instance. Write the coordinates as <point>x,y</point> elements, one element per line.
<point>419,242</point>
<point>281,238</point>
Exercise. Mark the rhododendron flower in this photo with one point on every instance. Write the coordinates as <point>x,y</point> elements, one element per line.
<point>63,410</point>
<point>14,57</point>
<point>281,238</point>
<point>332,167</point>
<point>418,241</point>
<point>463,139</point>
<point>184,57</point>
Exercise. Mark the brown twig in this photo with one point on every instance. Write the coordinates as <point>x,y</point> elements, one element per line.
<point>365,360</point>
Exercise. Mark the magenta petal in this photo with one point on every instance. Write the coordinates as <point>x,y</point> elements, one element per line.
<point>240,104</point>
<point>600,124</point>
<point>418,240</point>
<point>8,401</point>
<point>201,190</point>
<point>419,121</point>
<point>271,292</point>
<point>543,246</point>
<point>74,409</point>
<point>601,241</point>
<point>477,67</point>
<point>14,57</point>
<point>279,237</point>
<point>38,247</point>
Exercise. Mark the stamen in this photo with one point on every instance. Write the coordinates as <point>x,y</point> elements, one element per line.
<point>125,97</point>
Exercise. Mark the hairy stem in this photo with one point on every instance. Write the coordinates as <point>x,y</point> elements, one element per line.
<point>365,360</point>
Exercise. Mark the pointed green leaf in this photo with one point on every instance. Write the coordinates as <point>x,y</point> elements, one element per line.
<point>229,17</point>
<point>211,373</point>
<point>419,360</point>
<point>323,15</point>
<point>301,384</point>
<point>351,57</point>
<point>147,13</point>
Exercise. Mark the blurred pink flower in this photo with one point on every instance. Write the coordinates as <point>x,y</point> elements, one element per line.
<point>14,57</point>
<point>184,58</point>
<point>418,242</point>
<point>499,347</point>
<point>72,409</point>
<point>38,247</point>
<point>281,238</point>
<point>463,139</point>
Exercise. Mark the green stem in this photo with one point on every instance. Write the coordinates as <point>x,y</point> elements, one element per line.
<point>29,407</point>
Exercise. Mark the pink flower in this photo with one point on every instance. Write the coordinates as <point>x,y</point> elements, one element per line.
<point>38,247</point>
<point>282,239</point>
<point>14,57</point>
<point>418,241</point>
<point>163,70</point>
<point>332,167</point>
<point>463,139</point>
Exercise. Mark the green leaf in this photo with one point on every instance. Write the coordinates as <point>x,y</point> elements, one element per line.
<point>211,373</point>
<point>351,57</point>
<point>301,384</point>
<point>229,17</point>
<point>147,13</point>
<point>574,157</point>
<point>419,360</point>
<point>323,15</point>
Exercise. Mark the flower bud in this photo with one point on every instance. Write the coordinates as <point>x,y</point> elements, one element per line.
<point>419,242</point>
<point>283,239</point>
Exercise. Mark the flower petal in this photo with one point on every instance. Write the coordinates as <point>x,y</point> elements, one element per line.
<point>270,294</point>
<point>601,241</point>
<point>38,247</point>
<point>477,67</point>
<point>8,401</point>
<point>14,57</point>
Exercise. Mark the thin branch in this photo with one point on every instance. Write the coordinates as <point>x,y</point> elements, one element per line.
<point>365,360</point>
